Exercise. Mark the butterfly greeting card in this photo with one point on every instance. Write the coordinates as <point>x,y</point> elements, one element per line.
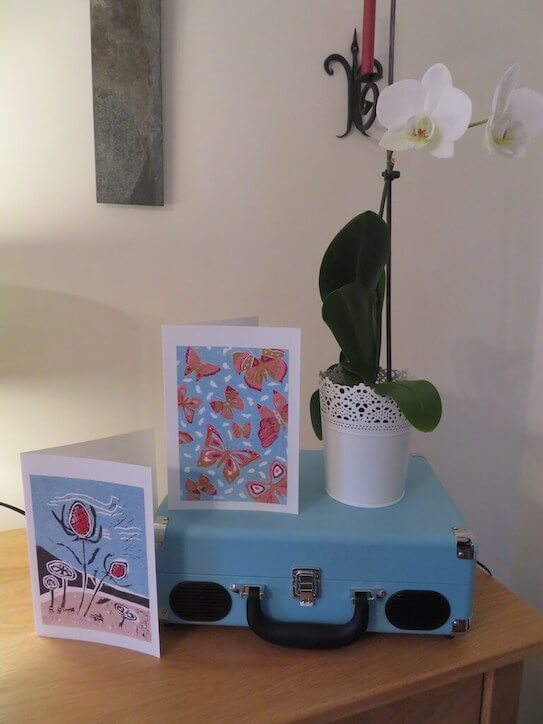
<point>232,400</point>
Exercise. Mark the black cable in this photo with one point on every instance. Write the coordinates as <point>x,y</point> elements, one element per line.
<point>485,568</point>
<point>13,507</point>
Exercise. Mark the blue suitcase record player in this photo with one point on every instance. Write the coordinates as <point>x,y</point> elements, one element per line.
<point>321,578</point>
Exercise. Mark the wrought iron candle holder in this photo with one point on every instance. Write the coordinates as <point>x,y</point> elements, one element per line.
<point>362,89</point>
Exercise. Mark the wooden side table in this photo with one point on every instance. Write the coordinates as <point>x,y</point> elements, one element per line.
<point>219,674</point>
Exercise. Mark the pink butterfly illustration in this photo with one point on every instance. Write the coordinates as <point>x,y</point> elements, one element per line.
<point>227,406</point>
<point>216,453</point>
<point>274,489</point>
<point>184,437</point>
<point>189,405</point>
<point>271,421</point>
<point>195,364</point>
<point>241,430</point>
<point>256,369</point>
<point>204,485</point>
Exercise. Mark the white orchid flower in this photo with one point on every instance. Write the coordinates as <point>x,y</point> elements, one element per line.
<point>429,113</point>
<point>517,116</point>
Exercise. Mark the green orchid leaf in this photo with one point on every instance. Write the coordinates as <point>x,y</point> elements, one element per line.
<point>315,411</point>
<point>357,253</point>
<point>350,313</point>
<point>417,399</point>
<point>348,375</point>
<point>380,293</point>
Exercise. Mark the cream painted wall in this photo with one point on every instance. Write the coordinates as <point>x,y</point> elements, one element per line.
<point>256,186</point>
<point>527,572</point>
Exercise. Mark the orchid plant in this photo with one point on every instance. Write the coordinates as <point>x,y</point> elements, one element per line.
<point>428,114</point>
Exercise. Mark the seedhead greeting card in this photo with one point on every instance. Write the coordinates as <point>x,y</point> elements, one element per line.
<point>91,547</point>
<point>232,397</point>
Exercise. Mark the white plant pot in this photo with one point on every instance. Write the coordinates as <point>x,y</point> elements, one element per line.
<point>366,445</point>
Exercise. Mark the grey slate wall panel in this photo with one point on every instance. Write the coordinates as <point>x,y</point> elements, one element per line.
<point>127,96</point>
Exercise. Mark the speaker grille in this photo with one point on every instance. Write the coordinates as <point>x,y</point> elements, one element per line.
<point>417,610</point>
<point>200,601</point>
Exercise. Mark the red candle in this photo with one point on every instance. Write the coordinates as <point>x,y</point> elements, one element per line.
<point>368,37</point>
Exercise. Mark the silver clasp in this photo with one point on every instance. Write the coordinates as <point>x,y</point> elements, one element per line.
<point>306,585</point>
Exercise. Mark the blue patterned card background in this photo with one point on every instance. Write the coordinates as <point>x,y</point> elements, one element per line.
<point>232,421</point>
<point>120,520</point>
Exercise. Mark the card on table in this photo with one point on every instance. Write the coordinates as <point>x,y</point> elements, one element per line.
<point>89,514</point>
<point>232,399</point>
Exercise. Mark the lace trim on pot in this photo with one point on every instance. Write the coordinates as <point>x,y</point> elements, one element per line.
<point>359,408</point>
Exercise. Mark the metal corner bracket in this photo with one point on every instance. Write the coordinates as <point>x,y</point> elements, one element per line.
<point>163,615</point>
<point>461,625</point>
<point>160,525</point>
<point>465,543</point>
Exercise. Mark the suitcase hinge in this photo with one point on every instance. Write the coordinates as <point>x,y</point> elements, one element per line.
<point>306,585</point>
<point>465,543</point>
<point>245,590</point>
<point>161,523</point>
<point>371,595</point>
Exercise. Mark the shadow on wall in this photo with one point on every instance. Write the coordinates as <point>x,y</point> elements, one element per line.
<point>527,578</point>
<point>70,370</point>
<point>528,584</point>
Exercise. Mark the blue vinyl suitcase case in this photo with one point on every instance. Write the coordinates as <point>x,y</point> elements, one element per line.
<point>323,577</point>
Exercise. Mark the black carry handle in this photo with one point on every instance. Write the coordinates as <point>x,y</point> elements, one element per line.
<point>307,635</point>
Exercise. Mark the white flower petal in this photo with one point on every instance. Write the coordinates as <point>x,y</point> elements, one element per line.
<point>435,80</point>
<point>506,85</point>
<point>494,131</point>
<point>526,106</point>
<point>495,128</point>
<point>395,141</point>
<point>505,136</point>
<point>516,133</point>
<point>509,151</point>
<point>487,138</point>
<point>452,114</point>
<point>399,101</point>
<point>445,149</point>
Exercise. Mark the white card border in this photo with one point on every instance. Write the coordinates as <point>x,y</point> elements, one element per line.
<point>137,476</point>
<point>174,336</point>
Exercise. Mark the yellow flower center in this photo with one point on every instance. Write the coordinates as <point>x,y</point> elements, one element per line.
<point>420,131</point>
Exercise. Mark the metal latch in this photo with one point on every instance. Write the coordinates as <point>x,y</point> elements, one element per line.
<point>161,523</point>
<point>465,543</point>
<point>306,585</point>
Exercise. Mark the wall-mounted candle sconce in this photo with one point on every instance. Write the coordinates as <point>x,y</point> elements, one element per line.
<point>363,76</point>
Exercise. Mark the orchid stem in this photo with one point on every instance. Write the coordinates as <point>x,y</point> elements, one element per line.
<point>478,123</point>
<point>388,302</point>
<point>386,190</point>
<point>387,194</point>
<point>386,199</point>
